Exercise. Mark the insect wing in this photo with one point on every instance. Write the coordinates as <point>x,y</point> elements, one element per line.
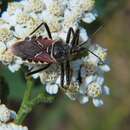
<point>31,51</point>
<point>45,42</point>
<point>44,58</point>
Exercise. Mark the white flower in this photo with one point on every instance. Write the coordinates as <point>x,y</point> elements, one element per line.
<point>5,34</point>
<point>71,19</point>
<point>36,6</point>
<point>52,21</point>
<point>104,68</point>
<point>16,65</point>
<point>73,3</point>
<point>89,17</point>
<point>89,68</point>
<point>2,47</point>
<point>96,56</point>
<point>72,90</point>
<point>84,85</point>
<point>83,34</point>
<point>60,35</point>
<point>51,88</point>
<point>22,18</point>
<point>4,24</point>
<point>14,7</point>
<point>94,88</point>
<point>6,114</point>
<point>11,20</point>
<point>6,57</point>
<point>35,76</point>
<point>55,8</point>
<point>22,31</point>
<point>83,99</point>
<point>12,126</point>
<point>99,51</point>
<point>11,42</point>
<point>97,102</point>
<point>86,5</point>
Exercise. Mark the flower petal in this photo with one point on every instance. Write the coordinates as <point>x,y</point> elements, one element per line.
<point>12,114</point>
<point>97,102</point>
<point>83,99</point>
<point>83,34</point>
<point>14,67</point>
<point>106,90</point>
<point>83,72</point>
<point>100,80</point>
<point>55,89</point>
<point>105,68</point>
<point>35,76</point>
<point>52,88</point>
<point>89,79</point>
<point>89,17</point>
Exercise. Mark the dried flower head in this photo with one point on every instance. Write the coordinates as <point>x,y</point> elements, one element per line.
<point>94,90</point>
<point>5,34</point>
<point>6,114</point>
<point>36,6</point>
<point>55,8</point>
<point>13,6</point>
<point>86,5</point>
<point>6,57</point>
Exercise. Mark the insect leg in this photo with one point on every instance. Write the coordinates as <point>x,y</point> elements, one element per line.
<point>70,31</point>
<point>46,27</point>
<point>68,74</point>
<point>75,38</point>
<point>69,35</point>
<point>62,75</point>
<point>38,70</point>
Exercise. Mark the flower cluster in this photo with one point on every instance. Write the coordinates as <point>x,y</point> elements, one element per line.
<point>87,81</point>
<point>87,73</point>
<point>6,118</point>
<point>21,18</point>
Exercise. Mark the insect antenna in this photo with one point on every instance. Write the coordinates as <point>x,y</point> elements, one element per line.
<point>80,45</point>
<point>95,55</point>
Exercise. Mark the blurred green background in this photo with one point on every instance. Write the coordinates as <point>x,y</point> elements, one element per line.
<point>65,114</point>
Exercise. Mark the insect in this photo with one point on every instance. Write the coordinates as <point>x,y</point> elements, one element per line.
<point>49,51</point>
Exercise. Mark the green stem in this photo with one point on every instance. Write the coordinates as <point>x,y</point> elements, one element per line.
<point>28,103</point>
<point>24,110</point>
<point>42,98</point>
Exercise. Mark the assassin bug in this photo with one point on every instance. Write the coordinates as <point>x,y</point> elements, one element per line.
<point>49,51</point>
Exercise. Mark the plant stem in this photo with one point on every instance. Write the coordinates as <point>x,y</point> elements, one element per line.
<point>28,103</point>
<point>24,110</point>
